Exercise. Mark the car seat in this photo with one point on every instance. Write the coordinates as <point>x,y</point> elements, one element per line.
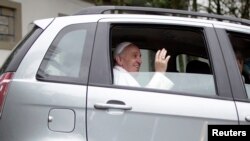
<point>196,66</point>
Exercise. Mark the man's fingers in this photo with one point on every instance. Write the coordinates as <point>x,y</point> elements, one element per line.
<point>157,55</point>
<point>167,58</point>
<point>163,53</point>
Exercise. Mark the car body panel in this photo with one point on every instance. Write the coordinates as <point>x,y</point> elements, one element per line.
<point>154,116</point>
<point>34,103</point>
<point>244,114</point>
<point>43,23</point>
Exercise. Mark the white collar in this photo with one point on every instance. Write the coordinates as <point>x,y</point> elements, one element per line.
<point>119,68</point>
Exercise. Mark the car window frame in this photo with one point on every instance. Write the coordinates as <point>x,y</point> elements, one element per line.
<point>214,52</point>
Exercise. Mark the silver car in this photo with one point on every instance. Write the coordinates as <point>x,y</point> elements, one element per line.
<point>57,84</point>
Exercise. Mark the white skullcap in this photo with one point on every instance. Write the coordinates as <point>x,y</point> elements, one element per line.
<point>120,47</point>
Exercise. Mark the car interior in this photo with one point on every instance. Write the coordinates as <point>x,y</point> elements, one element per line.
<point>182,43</point>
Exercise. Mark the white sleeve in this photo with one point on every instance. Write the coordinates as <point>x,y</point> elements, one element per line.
<point>160,81</point>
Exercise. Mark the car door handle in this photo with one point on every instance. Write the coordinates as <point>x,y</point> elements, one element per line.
<point>247,118</point>
<point>103,106</point>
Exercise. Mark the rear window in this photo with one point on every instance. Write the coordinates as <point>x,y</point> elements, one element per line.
<point>14,59</point>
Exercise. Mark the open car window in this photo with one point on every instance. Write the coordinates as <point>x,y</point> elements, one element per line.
<point>189,70</point>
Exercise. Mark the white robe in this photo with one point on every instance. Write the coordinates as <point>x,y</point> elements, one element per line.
<point>158,81</point>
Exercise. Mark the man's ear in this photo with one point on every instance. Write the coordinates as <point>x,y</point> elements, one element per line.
<point>118,60</point>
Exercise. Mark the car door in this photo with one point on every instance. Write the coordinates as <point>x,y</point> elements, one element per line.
<point>123,113</point>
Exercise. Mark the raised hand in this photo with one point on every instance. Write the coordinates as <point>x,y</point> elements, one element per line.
<point>161,60</point>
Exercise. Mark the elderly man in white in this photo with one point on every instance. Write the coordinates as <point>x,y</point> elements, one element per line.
<point>127,58</point>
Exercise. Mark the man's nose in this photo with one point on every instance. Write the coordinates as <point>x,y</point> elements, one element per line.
<point>139,60</point>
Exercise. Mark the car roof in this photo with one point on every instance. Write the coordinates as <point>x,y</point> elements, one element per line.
<point>95,18</point>
<point>158,11</point>
<point>94,14</point>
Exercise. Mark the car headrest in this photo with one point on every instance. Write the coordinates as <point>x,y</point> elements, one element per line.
<point>196,66</point>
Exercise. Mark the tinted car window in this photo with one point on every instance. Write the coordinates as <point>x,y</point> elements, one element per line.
<point>12,62</point>
<point>64,58</point>
<point>241,47</point>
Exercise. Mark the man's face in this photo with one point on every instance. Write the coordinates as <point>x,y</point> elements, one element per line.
<point>130,58</point>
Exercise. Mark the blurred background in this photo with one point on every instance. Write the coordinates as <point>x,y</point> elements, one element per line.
<point>16,16</point>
